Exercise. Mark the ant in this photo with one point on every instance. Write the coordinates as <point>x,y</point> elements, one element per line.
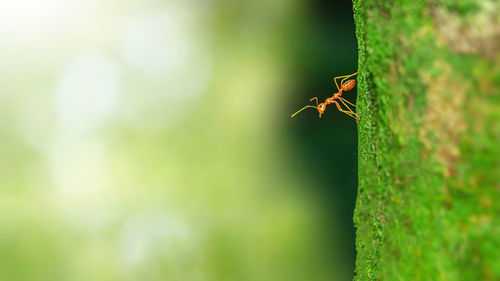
<point>347,86</point>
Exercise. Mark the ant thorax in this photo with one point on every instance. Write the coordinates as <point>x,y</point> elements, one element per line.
<point>330,100</point>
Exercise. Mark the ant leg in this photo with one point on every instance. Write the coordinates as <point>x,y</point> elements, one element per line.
<point>350,110</point>
<point>346,112</point>
<point>315,98</point>
<point>348,102</point>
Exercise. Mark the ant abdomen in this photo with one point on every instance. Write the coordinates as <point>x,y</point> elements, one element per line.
<point>348,85</point>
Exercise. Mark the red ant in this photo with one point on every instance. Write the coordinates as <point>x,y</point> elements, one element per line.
<point>347,86</point>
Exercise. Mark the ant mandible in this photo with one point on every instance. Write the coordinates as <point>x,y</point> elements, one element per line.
<point>347,86</point>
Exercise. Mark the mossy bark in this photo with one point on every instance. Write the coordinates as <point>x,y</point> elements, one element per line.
<point>428,96</point>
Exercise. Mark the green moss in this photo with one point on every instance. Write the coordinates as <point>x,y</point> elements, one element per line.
<point>427,152</point>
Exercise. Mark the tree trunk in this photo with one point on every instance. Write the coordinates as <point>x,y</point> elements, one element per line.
<point>428,199</point>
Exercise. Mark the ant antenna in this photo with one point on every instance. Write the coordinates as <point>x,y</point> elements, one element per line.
<point>315,98</point>
<point>303,109</point>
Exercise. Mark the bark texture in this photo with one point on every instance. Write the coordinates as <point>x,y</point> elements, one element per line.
<point>428,96</point>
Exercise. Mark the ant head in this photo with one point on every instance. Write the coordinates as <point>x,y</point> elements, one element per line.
<point>321,108</point>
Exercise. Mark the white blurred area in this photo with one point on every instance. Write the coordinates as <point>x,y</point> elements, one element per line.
<point>157,44</point>
<point>87,94</point>
<point>134,150</point>
<point>31,17</point>
<point>73,71</point>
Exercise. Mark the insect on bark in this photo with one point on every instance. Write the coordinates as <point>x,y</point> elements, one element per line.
<point>344,86</point>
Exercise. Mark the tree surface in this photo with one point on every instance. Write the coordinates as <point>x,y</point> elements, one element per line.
<point>428,201</point>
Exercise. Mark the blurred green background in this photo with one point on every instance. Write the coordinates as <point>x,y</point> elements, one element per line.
<point>152,140</point>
